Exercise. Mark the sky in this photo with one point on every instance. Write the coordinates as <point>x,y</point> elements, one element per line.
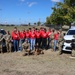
<point>25,11</point>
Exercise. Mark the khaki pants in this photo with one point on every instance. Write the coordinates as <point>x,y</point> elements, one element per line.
<point>9,47</point>
<point>1,48</point>
<point>73,53</point>
<point>52,43</point>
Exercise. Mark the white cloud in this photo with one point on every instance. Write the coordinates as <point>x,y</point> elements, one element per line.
<point>30,4</point>
<point>55,0</point>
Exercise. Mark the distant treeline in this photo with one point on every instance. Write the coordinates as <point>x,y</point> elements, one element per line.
<point>13,25</point>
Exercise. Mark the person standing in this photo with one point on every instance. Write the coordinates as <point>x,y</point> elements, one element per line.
<point>8,40</point>
<point>22,38</point>
<point>56,37</point>
<point>48,37</point>
<point>52,38</point>
<point>60,41</point>
<point>38,35</point>
<point>41,32</point>
<point>32,39</point>
<point>28,35</point>
<point>16,38</point>
<point>1,39</point>
<point>44,39</point>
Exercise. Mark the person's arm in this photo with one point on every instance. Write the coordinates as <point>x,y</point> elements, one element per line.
<point>2,38</point>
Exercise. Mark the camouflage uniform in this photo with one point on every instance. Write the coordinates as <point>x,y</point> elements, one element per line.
<point>60,42</point>
<point>52,40</point>
<point>8,39</point>
<point>26,47</point>
<point>1,38</point>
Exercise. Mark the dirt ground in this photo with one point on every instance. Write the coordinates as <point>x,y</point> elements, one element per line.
<point>51,63</point>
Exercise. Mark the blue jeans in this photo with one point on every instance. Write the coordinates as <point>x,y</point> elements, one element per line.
<point>55,44</point>
<point>16,45</point>
<point>28,40</point>
<point>32,44</point>
<point>21,42</point>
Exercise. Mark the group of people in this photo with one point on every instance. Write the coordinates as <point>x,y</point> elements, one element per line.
<point>32,37</point>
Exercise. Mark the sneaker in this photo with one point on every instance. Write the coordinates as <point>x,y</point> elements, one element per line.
<point>14,51</point>
<point>18,51</point>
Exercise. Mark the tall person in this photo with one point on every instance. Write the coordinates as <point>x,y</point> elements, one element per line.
<point>22,38</point>
<point>38,35</point>
<point>44,39</point>
<point>56,37</point>
<point>48,38</point>
<point>28,35</point>
<point>16,38</point>
<point>32,39</point>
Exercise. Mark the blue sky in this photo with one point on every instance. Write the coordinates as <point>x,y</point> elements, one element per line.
<point>25,11</point>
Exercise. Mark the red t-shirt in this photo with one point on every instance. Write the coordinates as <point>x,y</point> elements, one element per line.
<point>27,35</point>
<point>15,35</point>
<point>32,35</point>
<point>29,32</point>
<point>44,35</point>
<point>48,34</point>
<point>22,35</point>
<point>38,35</point>
<point>56,36</point>
<point>41,32</point>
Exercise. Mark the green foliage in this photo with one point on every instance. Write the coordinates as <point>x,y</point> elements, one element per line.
<point>29,24</point>
<point>63,13</point>
<point>38,23</point>
<point>34,23</point>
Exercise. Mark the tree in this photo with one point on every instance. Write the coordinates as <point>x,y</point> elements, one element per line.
<point>63,13</point>
<point>38,23</point>
<point>34,23</point>
<point>48,20</point>
<point>29,24</point>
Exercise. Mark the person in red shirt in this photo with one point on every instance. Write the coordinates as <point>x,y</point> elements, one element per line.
<point>22,38</point>
<point>41,32</point>
<point>28,35</point>
<point>56,37</point>
<point>16,38</point>
<point>32,39</point>
<point>38,35</point>
<point>48,37</point>
<point>44,39</point>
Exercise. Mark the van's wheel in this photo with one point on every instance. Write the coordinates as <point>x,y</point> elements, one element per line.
<point>73,53</point>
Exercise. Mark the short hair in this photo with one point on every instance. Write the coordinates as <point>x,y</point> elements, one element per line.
<point>29,28</point>
<point>15,27</point>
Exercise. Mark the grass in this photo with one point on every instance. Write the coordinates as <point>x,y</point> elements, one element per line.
<point>51,63</point>
<point>10,28</point>
<point>48,64</point>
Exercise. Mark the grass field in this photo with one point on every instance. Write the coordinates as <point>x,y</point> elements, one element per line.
<point>10,28</point>
<point>50,63</point>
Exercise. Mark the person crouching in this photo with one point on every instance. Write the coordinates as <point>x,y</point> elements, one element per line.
<point>26,47</point>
